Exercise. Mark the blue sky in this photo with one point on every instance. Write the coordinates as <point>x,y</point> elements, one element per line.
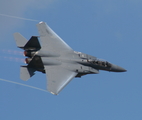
<point>107,29</point>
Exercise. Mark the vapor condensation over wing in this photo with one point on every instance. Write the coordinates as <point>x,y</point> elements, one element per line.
<point>5,15</point>
<point>23,85</point>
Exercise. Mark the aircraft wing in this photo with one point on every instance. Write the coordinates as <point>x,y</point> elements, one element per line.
<point>58,77</point>
<point>50,41</point>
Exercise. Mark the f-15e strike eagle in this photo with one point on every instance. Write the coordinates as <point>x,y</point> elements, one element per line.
<point>57,60</point>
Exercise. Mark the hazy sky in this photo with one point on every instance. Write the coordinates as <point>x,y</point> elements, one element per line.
<point>107,29</point>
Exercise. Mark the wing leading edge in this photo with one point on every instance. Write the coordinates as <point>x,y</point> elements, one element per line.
<point>58,77</point>
<point>50,41</point>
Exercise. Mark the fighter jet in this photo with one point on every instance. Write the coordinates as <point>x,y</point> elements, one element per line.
<point>57,60</point>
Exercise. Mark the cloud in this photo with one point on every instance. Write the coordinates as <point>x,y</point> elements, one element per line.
<point>19,8</point>
<point>113,6</point>
<point>135,1</point>
<point>16,6</point>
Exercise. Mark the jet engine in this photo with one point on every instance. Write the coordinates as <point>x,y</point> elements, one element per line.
<point>29,53</point>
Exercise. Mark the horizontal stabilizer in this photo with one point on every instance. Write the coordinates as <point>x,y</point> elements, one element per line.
<point>26,73</point>
<point>20,40</point>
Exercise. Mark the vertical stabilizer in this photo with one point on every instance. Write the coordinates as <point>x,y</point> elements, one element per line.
<point>26,73</point>
<point>33,43</point>
<point>20,40</point>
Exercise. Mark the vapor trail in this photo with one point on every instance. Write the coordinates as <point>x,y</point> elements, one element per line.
<point>23,85</point>
<point>19,17</point>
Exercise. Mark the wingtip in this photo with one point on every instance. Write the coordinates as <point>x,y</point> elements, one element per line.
<point>41,22</point>
<point>53,93</point>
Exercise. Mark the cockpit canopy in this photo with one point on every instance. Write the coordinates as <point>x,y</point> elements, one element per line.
<point>101,62</point>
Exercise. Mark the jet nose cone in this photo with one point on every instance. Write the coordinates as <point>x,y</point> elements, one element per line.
<point>116,68</point>
<point>120,69</point>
